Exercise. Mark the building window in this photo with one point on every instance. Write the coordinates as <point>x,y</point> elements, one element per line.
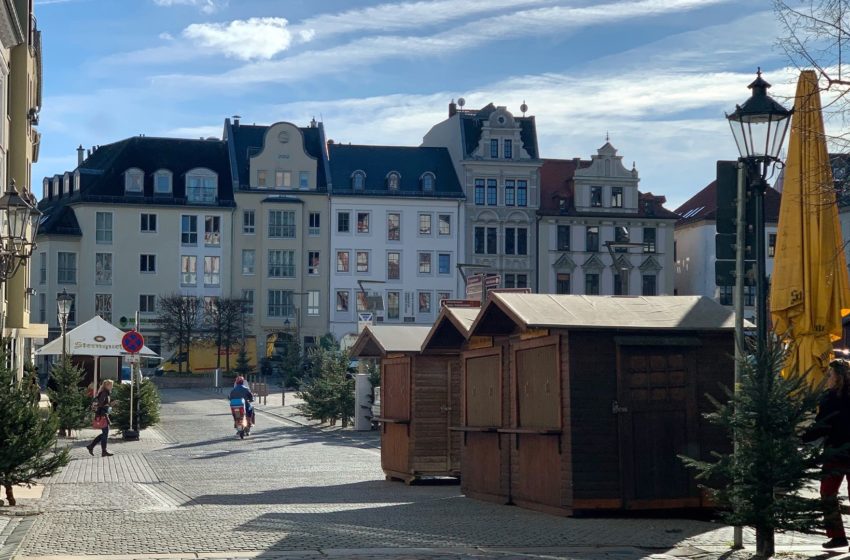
<point>147,263</point>
<point>248,222</point>
<point>591,284</point>
<point>444,263</point>
<point>103,269</point>
<point>134,181</point>
<point>212,231</point>
<point>147,303</point>
<point>771,245</point>
<point>360,300</point>
<point>42,307</point>
<point>394,226</point>
<point>648,285</point>
<point>510,192</point>
<point>313,303</point>
<point>212,271</point>
<point>428,182</point>
<point>484,241</point>
<point>248,302</point>
<point>313,263</point>
<point>425,263</point>
<point>563,238</point>
<point>363,222</point>
<point>315,227</point>
<point>591,239</point>
<point>188,270</point>
<point>201,187</point>
<point>362,261</point>
<point>162,182</point>
<point>424,302</point>
<point>621,282</point>
<point>616,197</point>
<point>280,303</point>
<point>522,192</point>
<point>516,241</point>
<point>492,193</point>
<point>148,223</point>
<point>726,295</point>
<point>445,224</point>
<point>358,180</point>
<point>343,222</point>
<point>283,179</point>
<point>562,283</point>
<point>393,299</point>
<point>509,149</point>
<point>649,240</point>
<point>103,228</point>
<point>342,300</point>
<point>516,280</point>
<point>479,192</point>
<point>42,271</point>
<point>342,264</point>
<point>393,265</point>
<point>262,180</point>
<point>249,257</point>
<point>596,197</point>
<point>393,180</point>
<point>494,148</point>
<point>189,230</point>
<point>424,224</point>
<point>103,306</point>
<point>282,224</point>
<point>621,235</point>
<point>443,296</point>
<point>750,295</point>
<point>281,264</point>
<point>303,180</point>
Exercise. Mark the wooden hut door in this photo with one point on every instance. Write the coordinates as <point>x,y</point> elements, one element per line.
<point>657,413</point>
<point>395,406</point>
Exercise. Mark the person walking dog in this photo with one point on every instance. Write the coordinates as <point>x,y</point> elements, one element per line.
<point>101,418</point>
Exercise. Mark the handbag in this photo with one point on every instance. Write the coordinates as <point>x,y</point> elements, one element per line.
<point>100,422</point>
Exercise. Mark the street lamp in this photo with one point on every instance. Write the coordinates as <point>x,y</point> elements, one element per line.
<point>759,127</point>
<point>63,307</point>
<point>17,237</point>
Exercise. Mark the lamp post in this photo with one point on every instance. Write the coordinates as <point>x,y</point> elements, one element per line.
<point>759,127</point>
<point>63,307</point>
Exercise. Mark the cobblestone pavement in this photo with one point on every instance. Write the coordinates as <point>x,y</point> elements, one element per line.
<point>191,489</point>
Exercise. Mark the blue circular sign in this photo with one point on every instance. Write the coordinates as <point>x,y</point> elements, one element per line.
<point>132,342</point>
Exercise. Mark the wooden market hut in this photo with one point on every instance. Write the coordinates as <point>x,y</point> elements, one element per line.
<point>414,402</point>
<point>585,402</point>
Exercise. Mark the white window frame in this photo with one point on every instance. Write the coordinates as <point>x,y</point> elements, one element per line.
<point>167,175</point>
<point>134,181</point>
<point>249,228</point>
<point>188,274</point>
<point>249,263</point>
<point>205,189</point>
<point>147,263</point>
<point>146,227</point>
<point>212,271</point>
<point>103,228</point>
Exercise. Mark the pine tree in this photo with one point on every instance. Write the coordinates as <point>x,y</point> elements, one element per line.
<point>27,437</point>
<point>70,400</point>
<point>762,479</point>
<point>329,393</point>
<point>145,395</point>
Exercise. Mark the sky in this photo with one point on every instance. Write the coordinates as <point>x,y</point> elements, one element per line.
<point>654,76</point>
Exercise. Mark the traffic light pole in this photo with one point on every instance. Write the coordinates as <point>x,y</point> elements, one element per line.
<point>738,302</point>
<point>759,187</point>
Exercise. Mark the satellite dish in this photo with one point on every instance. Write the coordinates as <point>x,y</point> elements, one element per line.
<point>461,102</point>
<point>523,107</point>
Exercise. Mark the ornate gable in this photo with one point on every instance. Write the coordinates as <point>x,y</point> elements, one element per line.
<point>622,262</point>
<point>650,265</point>
<point>564,262</point>
<point>594,263</point>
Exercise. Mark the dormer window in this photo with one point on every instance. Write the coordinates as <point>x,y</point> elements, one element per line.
<point>393,180</point>
<point>134,181</point>
<point>162,182</point>
<point>66,184</point>
<point>358,180</point>
<point>428,182</point>
<point>45,188</point>
<point>76,181</point>
<point>201,186</point>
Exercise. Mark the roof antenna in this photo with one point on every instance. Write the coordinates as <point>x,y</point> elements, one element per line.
<point>607,138</point>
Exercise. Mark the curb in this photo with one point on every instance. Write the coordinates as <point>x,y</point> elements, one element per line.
<point>13,535</point>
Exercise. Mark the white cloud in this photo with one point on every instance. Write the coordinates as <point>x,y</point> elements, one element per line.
<point>254,38</point>
<point>206,6</point>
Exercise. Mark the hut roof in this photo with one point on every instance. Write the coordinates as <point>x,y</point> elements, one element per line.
<point>451,328</point>
<point>505,312</point>
<point>377,341</point>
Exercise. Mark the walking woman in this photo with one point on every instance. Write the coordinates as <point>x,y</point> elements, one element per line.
<point>101,415</point>
<point>833,424</point>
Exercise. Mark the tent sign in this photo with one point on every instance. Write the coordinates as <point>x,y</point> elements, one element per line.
<point>132,341</point>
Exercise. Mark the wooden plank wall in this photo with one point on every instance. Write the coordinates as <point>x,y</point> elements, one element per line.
<point>715,363</point>
<point>429,430</point>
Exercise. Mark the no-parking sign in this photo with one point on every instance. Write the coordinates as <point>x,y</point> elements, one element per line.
<point>133,341</point>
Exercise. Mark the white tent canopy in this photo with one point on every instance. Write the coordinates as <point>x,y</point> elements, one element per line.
<point>95,337</point>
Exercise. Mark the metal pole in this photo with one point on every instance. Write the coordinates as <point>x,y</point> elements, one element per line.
<point>738,302</point>
<point>761,269</point>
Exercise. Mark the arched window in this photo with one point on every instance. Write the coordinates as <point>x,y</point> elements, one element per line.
<point>428,182</point>
<point>201,186</point>
<point>134,180</point>
<point>66,183</point>
<point>162,182</point>
<point>393,180</point>
<point>77,181</point>
<point>358,180</point>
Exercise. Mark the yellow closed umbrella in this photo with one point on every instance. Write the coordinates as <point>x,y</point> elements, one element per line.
<point>809,293</point>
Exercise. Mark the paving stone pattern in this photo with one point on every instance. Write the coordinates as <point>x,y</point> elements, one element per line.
<point>194,490</point>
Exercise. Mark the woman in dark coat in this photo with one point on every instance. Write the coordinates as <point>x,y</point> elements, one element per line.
<point>833,424</point>
<point>102,411</point>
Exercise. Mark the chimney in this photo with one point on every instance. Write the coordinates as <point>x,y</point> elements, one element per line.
<point>236,120</point>
<point>452,108</point>
<point>88,153</point>
<point>80,155</point>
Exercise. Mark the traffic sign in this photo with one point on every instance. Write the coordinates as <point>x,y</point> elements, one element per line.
<point>132,341</point>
